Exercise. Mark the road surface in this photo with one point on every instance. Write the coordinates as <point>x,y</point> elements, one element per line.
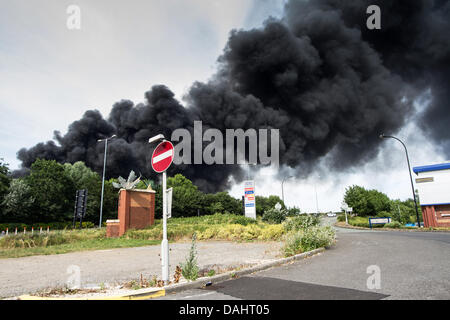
<point>412,265</point>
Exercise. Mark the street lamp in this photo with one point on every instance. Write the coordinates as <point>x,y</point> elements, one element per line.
<point>248,169</point>
<point>382,136</point>
<point>282,189</point>
<point>317,199</point>
<point>103,179</point>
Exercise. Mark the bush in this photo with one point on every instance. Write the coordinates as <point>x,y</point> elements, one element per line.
<point>308,239</point>
<point>218,226</point>
<point>274,216</point>
<point>383,214</point>
<point>301,222</point>
<point>393,224</point>
<point>292,212</point>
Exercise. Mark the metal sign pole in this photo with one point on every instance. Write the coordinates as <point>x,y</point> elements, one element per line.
<point>165,242</point>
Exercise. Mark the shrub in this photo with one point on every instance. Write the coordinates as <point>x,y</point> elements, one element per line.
<point>218,226</point>
<point>301,222</point>
<point>383,214</point>
<point>308,239</point>
<point>393,224</point>
<point>190,268</point>
<point>292,212</point>
<point>274,215</point>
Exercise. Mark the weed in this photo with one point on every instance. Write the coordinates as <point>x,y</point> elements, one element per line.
<point>189,268</point>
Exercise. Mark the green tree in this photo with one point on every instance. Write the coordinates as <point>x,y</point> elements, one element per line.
<point>85,178</point>
<point>366,202</point>
<point>53,191</point>
<point>220,202</point>
<point>4,183</point>
<point>18,203</point>
<point>401,212</point>
<point>264,204</point>
<point>110,202</point>
<point>186,196</point>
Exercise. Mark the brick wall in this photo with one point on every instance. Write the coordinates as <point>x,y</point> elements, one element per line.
<point>436,216</point>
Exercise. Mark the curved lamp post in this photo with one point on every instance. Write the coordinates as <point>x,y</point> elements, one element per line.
<point>282,189</point>
<point>103,179</point>
<point>382,136</point>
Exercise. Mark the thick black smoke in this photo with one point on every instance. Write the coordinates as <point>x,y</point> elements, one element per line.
<point>318,74</point>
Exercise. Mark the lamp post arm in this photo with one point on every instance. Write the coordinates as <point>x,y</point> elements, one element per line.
<point>410,176</point>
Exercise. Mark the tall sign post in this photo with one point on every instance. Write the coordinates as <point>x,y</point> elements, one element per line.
<point>345,208</point>
<point>249,199</point>
<point>162,158</point>
<point>80,206</point>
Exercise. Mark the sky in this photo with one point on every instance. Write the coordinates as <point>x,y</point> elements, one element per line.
<point>51,75</point>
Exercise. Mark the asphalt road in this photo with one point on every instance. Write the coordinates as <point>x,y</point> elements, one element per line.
<point>412,265</point>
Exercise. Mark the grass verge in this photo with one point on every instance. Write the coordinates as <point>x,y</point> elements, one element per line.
<point>57,242</point>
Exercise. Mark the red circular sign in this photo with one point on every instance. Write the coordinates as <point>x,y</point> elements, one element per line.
<point>162,156</point>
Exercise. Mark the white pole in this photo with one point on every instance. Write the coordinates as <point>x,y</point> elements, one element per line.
<point>346,220</point>
<point>165,242</point>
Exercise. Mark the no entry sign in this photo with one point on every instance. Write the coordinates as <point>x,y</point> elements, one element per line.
<point>162,157</point>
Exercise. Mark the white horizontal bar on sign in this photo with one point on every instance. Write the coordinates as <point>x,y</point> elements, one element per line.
<point>163,156</point>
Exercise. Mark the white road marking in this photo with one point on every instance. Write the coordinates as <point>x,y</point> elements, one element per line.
<point>199,295</point>
<point>163,156</point>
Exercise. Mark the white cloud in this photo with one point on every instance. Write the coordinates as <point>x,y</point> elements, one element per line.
<point>53,75</point>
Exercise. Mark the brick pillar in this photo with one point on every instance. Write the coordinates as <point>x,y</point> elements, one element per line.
<point>136,209</point>
<point>124,211</point>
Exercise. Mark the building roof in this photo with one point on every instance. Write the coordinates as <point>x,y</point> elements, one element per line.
<point>432,167</point>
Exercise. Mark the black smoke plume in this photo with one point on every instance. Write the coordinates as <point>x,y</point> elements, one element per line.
<point>318,74</point>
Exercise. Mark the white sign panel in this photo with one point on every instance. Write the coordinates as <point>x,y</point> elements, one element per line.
<point>380,220</point>
<point>434,187</point>
<point>169,202</point>
<point>249,199</point>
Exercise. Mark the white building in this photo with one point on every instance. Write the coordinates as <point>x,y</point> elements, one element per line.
<point>433,183</point>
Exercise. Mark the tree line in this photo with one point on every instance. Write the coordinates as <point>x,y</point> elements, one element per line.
<point>373,203</point>
<point>47,194</point>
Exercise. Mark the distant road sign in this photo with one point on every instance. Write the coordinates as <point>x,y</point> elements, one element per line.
<point>169,202</point>
<point>162,156</point>
<point>383,220</point>
<point>249,199</point>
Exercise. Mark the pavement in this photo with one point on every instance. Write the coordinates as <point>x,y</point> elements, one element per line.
<point>30,274</point>
<point>412,265</point>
